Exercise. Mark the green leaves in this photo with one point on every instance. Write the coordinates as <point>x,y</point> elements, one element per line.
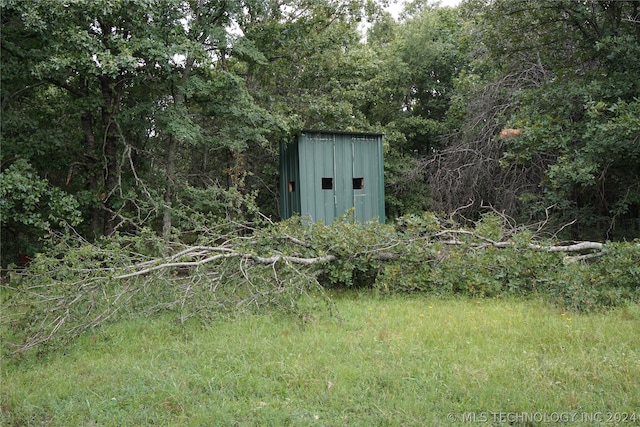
<point>29,209</point>
<point>578,113</point>
<point>588,147</point>
<point>142,107</point>
<point>27,199</point>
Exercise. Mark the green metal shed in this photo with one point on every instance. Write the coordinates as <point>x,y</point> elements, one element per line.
<point>323,174</point>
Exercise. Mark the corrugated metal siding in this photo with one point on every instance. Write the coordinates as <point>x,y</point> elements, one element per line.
<point>367,164</point>
<point>289,180</point>
<point>344,174</point>
<point>316,163</point>
<point>340,157</point>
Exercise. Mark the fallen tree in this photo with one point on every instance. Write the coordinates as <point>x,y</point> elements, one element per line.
<point>78,285</point>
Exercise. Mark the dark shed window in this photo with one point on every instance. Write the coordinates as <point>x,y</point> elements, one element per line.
<point>358,183</point>
<point>327,183</point>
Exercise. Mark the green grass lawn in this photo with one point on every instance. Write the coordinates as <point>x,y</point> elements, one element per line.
<point>384,361</point>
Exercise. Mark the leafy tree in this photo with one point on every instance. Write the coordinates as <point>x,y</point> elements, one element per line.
<point>83,285</point>
<point>418,61</point>
<point>169,113</point>
<point>564,75</point>
<point>95,52</point>
<point>132,86</point>
<point>580,123</point>
<point>312,62</point>
<point>416,73</point>
<point>29,209</point>
<point>308,74</point>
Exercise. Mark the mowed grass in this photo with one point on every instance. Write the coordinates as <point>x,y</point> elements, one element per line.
<point>397,360</point>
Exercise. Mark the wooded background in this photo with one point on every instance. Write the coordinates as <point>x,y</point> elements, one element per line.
<point>119,115</point>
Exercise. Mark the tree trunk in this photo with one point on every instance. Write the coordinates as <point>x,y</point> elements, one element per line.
<point>110,149</point>
<point>179,100</point>
<point>168,192</point>
<point>91,165</point>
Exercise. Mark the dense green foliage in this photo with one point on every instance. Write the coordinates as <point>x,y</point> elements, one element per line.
<point>150,114</point>
<point>140,147</point>
<point>581,117</point>
<point>30,207</point>
<point>139,176</point>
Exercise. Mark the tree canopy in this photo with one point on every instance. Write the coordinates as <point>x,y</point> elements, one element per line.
<point>122,115</point>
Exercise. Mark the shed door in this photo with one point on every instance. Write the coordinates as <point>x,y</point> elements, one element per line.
<point>324,166</point>
<point>344,174</point>
<point>365,174</point>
